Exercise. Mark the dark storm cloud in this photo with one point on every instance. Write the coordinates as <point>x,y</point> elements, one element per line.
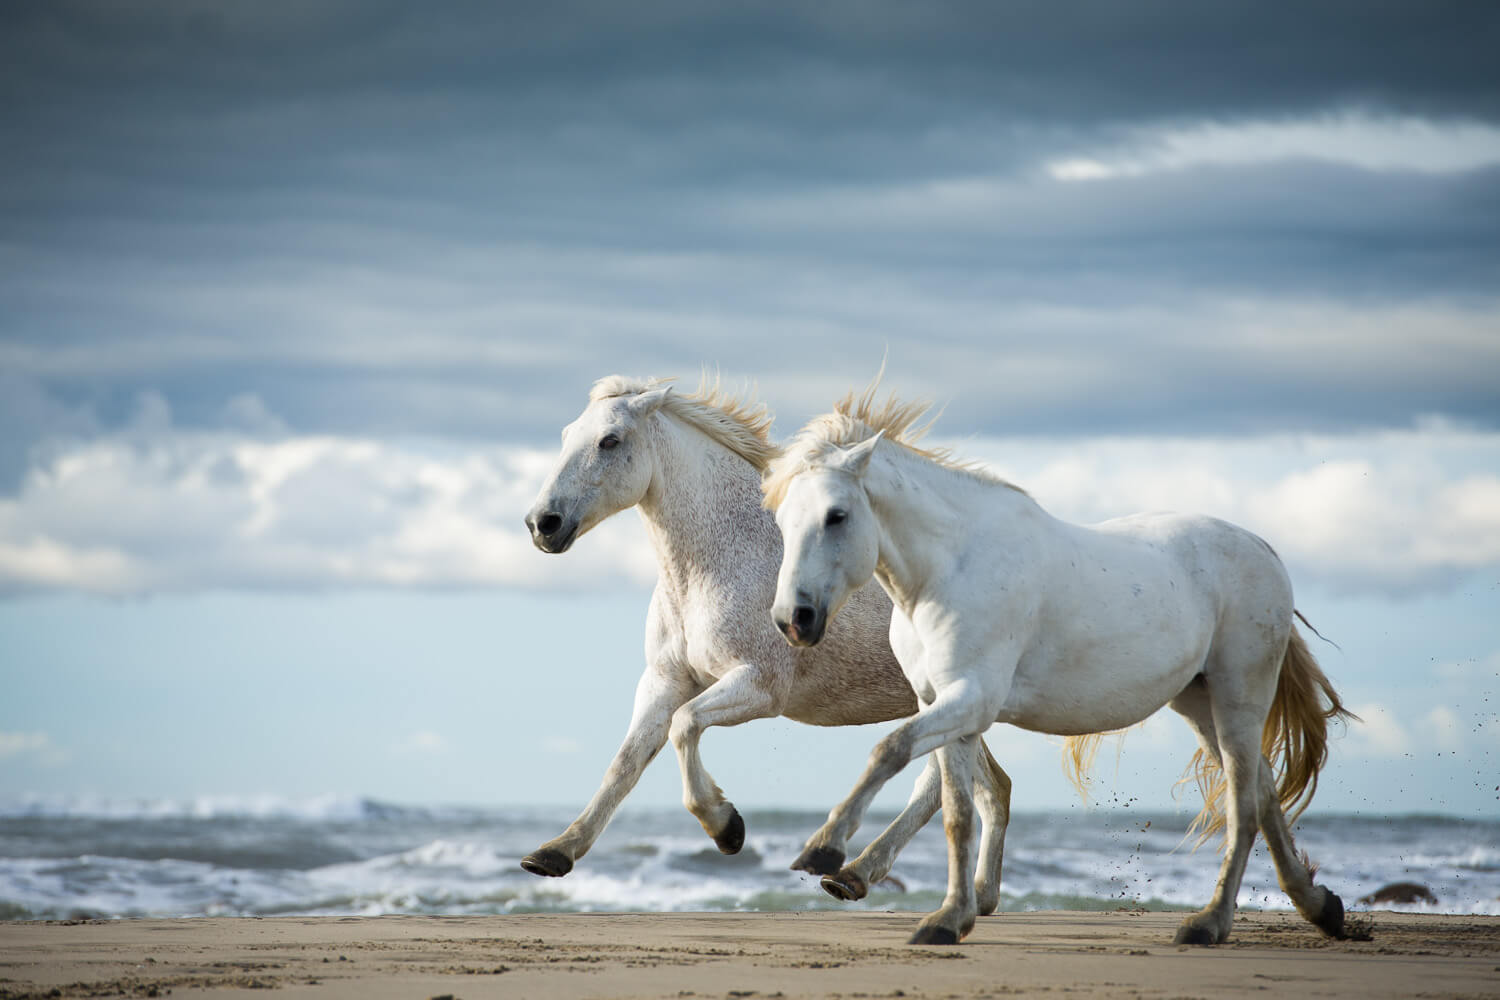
<point>297,96</point>
<point>385,218</point>
<point>1078,62</point>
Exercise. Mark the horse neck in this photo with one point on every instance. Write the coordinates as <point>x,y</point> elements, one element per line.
<point>702,510</point>
<point>927,513</point>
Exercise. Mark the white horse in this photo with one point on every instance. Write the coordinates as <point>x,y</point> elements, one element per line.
<point>692,464</point>
<point>1006,614</point>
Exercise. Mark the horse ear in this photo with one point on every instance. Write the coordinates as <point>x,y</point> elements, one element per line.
<point>856,460</point>
<point>649,401</point>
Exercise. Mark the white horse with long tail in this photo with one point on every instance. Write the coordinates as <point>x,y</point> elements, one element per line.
<point>693,464</point>
<point>1004,613</point>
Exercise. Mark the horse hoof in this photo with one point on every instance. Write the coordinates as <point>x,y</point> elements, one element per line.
<point>986,898</point>
<point>732,837</point>
<point>933,935</point>
<point>548,861</point>
<point>819,861</point>
<point>1331,920</point>
<point>1194,934</point>
<point>845,885</point>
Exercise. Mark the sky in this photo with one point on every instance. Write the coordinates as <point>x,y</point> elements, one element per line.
<point>295,298</point>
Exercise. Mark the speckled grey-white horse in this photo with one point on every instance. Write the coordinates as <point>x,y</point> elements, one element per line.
<point>692,465</point>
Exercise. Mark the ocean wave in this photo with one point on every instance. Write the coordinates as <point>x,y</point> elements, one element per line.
<point>264,856</point>
<point>314,809</point>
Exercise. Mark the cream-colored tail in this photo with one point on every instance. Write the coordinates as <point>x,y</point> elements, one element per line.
<point>1295,741</point>
<point>1078,754</point>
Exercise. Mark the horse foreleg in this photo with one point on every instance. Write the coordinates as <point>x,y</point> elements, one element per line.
<point>992,797</point>
<point>853,881</point>
<point>954,714</point>
<point>739,696</point>
<point>955,918</point>
<point>656,697</point>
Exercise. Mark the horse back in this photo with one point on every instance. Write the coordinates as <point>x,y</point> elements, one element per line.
<point>1138,606</point>
<point>1217,563</point>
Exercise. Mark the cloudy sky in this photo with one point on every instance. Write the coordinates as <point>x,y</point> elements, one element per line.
<point>297,296</point>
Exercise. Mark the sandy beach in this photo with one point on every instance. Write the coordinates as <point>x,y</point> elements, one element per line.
<point>759,955</point>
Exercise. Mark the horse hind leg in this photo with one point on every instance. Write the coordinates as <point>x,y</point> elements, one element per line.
<point>739,696</point>
<point>1317,903</point>
<point>1238,692</point>
<point>1211,924</point>
<point>1299,726</point>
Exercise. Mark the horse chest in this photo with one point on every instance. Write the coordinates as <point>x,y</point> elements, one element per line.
<point>906,643</point>
<point>704,644</point>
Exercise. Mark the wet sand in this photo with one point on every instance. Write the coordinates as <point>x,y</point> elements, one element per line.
<point>733,955</point>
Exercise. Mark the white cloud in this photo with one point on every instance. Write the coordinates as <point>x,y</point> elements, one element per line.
<point>157,509</point>
<point>35,745</point>
<point>186,511</point>
<point>1370,142</point>
<point>1385,732</point>
<point>561,745</point>
<point>1379,731</point>
<point>1441,728</point>
<point>1477,675</point>
<point>1389,512</point>
<point>423,742</point>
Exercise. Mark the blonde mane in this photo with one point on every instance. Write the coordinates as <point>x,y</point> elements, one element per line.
<point>855,419</point>
<point>737,422</point>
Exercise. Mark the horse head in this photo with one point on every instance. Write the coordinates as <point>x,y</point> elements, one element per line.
<point>605,467</point>
<point>831,540</point>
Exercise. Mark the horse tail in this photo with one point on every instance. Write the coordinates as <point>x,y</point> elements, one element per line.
<point>1078,755</point>
<point>1295,740</point>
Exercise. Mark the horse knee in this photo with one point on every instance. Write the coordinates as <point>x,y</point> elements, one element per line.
<point>892,753</point>
<point>684,730</point>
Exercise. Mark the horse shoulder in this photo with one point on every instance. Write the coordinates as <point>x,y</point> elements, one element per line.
<point>666,642</point>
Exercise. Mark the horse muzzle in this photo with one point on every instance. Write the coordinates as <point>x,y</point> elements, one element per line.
<point>550,531</point>
<point>803,625</point>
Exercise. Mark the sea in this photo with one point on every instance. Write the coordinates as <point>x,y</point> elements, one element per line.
<point>71,858</point>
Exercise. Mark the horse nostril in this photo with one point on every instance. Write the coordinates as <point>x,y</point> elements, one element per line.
<point>547,525</point>
<point>803,617</point>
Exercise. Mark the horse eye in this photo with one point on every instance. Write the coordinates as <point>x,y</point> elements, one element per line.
<point>608,441</point>
<point>835,516</point>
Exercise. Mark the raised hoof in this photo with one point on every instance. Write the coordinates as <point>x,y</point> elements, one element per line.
<point>548,861</point>
<point>933,935</point>
<point>845,885</point>
<point>1194,934</point>
<point>1331,920</point>
<point>819,861</point>
<point>732,837</point>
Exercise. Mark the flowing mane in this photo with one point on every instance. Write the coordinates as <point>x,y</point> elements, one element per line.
<point>855,419</point>
<point>740,424</point>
